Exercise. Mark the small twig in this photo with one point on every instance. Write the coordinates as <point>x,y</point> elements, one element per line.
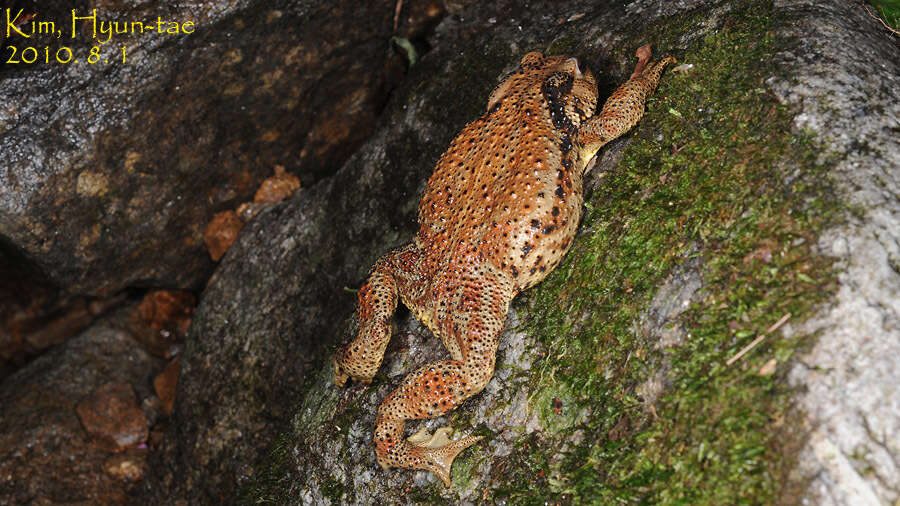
<point>866,7</point>
<point>758,340</point>
<point>397,10</point>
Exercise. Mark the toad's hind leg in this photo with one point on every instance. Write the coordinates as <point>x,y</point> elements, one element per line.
<point>625,107</point>
<point>474,318</point>
<point>361,358</point>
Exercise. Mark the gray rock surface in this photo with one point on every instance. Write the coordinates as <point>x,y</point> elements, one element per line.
<point>110,171</point>
<point>46,456</point>
<point>844,72</point>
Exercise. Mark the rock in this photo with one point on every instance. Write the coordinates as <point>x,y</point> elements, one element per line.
<point>583,408</point>
<point>221,233</point>
<point>33,315</point>
<point>112,417</point>
<point>280,299</point>
<point>161,320</point>
<point>25,302</point>
<point>845,78</point>
<point>76,318</point>
<point>45,453</point>
<point>277,188</point>
<point>167,311</point>
<point>127,467</point>
<point>165,383</point>
<point>274,189</point>
<point>99,194</point>
<point>768,368</point>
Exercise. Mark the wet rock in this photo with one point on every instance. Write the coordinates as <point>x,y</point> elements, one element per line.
<point>112,417</point>
<point>46,456</point>
<point>111,170</point>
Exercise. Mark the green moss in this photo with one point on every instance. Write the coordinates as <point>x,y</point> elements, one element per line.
<point>272,484</point>
<point>889,11</point>
<point>710,177</point>
<point>333,489</point>
<point>555,407</point>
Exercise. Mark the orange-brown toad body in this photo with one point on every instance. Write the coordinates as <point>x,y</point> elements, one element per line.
<point>498,214</point>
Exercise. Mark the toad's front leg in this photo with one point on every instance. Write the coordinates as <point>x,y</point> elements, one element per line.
<point>391,274</point>
<point>625,107</point>
<point>475,320</point>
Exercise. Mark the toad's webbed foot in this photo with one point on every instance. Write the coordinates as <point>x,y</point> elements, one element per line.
<point>437,451</point>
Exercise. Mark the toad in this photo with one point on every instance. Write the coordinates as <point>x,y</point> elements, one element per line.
<point>498,214</point>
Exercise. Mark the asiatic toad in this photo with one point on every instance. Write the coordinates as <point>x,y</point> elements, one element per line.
<point>498,214</point>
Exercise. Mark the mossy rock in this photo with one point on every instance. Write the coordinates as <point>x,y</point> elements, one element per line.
<point>614,383</point>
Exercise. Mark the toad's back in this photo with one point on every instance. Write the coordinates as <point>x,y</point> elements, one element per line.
<point>507,190</point>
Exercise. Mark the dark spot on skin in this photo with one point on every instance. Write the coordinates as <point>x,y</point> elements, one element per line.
<point>566,144</point>
<point>515,272</point>
<point>547,230</point>
<point>555,211</point>
<point>554,90</point>
<point>560,192</point>
<point>535,224</point>
<point>526,250</point>
<point>567,163</point>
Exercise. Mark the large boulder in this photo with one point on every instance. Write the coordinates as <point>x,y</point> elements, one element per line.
<point>622,377</point>
<point>111,169</point>
<point>846,83</point>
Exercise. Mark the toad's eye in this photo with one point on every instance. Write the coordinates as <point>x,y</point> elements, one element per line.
<point>560,80</point>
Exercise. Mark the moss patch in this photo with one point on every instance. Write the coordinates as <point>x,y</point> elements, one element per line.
<point>889,11</point>
<point>714,175</point>
<point>272,484</point>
